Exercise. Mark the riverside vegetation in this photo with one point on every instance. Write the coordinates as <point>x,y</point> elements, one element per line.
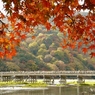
<point>23,84</point>
<point>42,84</point>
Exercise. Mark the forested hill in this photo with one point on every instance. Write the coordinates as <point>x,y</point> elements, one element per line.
<point>44,53</point>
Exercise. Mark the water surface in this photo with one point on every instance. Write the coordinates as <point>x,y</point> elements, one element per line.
<point>78,90</point>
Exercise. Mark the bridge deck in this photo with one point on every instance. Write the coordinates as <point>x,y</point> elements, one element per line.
<point>54,73</point>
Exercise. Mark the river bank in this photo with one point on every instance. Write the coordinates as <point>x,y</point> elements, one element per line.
<point>4,90</point>
<point>22,88</point>
<point>41,84</point>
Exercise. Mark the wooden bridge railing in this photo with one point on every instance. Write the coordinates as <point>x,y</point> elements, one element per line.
<point>84,73</point>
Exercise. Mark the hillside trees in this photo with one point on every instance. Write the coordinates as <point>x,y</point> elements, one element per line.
<point>3,66</point>
<point>47,58</point>
<point>23,15</point>
<point>33,47</point>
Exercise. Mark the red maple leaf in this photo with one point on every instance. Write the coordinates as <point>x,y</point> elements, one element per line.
<point>23,37</point>
<point>46,3</point>
<point>92,1</point>
<point>92,54</point>
<point>92,47</point>
<point>84,50</point>
<point>79,44</point>
<point>48,25</point>
<point>1,55</point>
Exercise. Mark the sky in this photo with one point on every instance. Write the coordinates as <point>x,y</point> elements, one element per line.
<point>1,5</point>
<point>2,9</point>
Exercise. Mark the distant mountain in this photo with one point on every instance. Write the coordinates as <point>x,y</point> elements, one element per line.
<point>44,53</point>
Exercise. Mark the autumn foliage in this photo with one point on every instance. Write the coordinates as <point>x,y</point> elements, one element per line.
<point>23,15</point>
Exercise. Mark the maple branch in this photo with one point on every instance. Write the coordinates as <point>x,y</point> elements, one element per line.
<point>70,18</point>
<point>4,25</point>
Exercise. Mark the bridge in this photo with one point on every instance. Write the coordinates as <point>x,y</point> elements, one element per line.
<point>51,73</point>
<point>46,75</point>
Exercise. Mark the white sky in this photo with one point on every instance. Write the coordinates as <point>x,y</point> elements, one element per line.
<point>2,9</point>
<point>1,6</point>
<point>81,2</point>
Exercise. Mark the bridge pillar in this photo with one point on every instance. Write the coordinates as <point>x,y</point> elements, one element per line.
<point>47,79</point>
<point>52,81</point>
<point>26,78</point>
<point>33,78</point>
<point>19,79</point>
<point>62,79</point>
<point>6,78</point>
<point>80,79</point>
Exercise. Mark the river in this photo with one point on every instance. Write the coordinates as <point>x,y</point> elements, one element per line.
<point>51,90</point>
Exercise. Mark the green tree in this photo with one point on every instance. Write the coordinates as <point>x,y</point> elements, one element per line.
<point>42,51</point>
<point>3,66</point>
<point>34,47</point>
<point>12,66</point>
<point>31,66</point>
<point>60,64</point>
<point>48,58</point>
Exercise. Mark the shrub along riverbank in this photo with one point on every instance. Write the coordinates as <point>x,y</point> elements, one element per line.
<point>23,84</point>
<point>43,84</point>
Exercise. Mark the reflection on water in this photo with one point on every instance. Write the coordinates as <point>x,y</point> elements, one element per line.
<point>79,90</point>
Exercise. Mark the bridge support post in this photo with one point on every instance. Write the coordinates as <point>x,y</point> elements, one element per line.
<point>33,78</point>
<point>1,79</point>
<point>52,80</point>
<point>80,79</point>
<point>19,79</point>
<point>6,78</point>
<point>62,79</point>
<point>47,79</point>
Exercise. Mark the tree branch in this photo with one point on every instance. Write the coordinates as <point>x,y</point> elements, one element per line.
<point>4,25</point>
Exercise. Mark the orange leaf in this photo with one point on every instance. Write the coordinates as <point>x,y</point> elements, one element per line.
<point>23,36</point>
<point>46,3</point>
<point>1,55</point>
<point>11,34</point>
<point>92,47</point>
<point>19,26</point>
<point>56,9</point>
<point>59,24</point>
<point>33,37</point>
<point>92,1</point>
<point>48,26</point>
<point>73,45</point>
<point>1,40</point>
<point>13,52</point>
<point>80,44</point>
<point>17,41</point>
<point>92,54</point>
<point>64,41</point>
<point>18,33</point>
<point>62,28</point>
<point>84,50</point>
<point>27,29</point>
<point>64,47</point>
<point>9,56</point>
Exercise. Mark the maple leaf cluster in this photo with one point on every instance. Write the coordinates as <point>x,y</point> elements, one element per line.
<point>24,15</point>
